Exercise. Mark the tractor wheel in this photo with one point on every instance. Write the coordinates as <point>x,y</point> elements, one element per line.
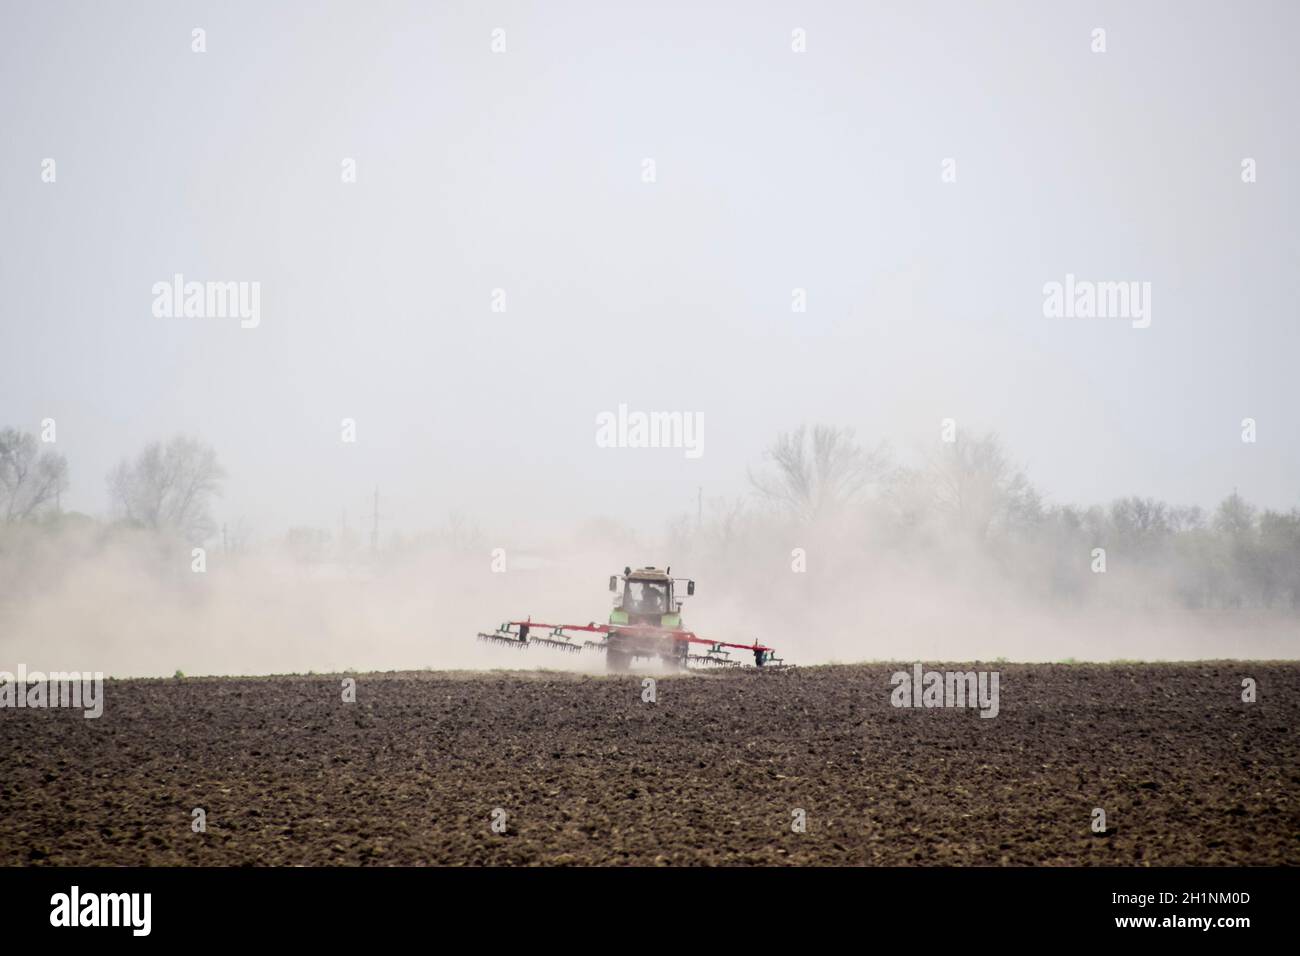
<point>617,661</point>
<point>676,660</point>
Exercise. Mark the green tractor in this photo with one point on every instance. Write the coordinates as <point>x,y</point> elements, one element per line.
<point>646,620</point>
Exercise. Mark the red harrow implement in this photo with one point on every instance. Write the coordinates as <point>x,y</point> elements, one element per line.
<point>646,622</point>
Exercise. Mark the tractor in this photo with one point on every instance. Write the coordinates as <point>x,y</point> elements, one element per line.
<point>645,622</point>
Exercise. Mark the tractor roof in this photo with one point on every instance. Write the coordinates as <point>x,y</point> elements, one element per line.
<point>647,574</point>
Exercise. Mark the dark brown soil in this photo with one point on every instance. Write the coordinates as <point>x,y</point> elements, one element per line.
<point>586,772</point>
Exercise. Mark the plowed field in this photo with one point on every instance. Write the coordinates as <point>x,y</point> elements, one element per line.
<point>581,769</point>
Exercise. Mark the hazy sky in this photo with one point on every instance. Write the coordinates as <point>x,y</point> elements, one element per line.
<point>523,170</point>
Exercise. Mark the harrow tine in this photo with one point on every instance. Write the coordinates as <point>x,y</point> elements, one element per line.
<point>569,646</point>
<point>710,660</point>
<point>505,637</point>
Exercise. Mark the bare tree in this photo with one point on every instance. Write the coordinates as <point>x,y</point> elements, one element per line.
<point>1280,568</point>
<point>169,486</point>
<point>817,473</point>
<point>1142,525</point>
<point>460,532</point>
<point>1187,518</point>
<point>30,479</point>
<point>1235,517</point>
<point>973,480</point>
<point>727,523</point>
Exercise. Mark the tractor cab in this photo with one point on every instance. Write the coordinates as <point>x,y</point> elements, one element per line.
<point>646,597</point>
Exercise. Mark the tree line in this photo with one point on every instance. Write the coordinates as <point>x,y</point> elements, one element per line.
<point>968,495</point>
<point>966,499</point>
<point>168,486</point>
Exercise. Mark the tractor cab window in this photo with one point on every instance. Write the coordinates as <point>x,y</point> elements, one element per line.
<point>645,597</point>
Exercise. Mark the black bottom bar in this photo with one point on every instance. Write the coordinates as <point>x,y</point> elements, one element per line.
<point>956,904</point>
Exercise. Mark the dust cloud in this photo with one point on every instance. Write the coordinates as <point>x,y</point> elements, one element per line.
<point>89,596</point>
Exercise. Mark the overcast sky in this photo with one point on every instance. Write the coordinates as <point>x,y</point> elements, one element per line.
<point>524,170</point>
